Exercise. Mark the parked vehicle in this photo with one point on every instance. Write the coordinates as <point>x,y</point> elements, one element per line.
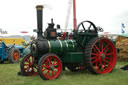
<point>9,53</point>
<point>11,41</point>
<point>52,51</point>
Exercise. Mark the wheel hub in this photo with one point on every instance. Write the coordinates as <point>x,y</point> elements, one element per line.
<point>15,55</point>
<point>102,55</point>
<point>51,67</point>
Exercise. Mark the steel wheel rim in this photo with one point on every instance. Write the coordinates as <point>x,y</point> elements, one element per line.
<point>28,66</point>
<point>103,56</point>
<point>51,67</point>
<point>15,55</point>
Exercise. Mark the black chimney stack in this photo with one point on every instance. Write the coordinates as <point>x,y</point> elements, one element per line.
<point>39,21</point>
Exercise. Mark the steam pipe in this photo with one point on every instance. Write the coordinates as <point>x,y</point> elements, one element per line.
<point>39,21</point>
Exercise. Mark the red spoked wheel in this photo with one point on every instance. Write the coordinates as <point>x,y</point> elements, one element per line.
<point>49,66</point>
<point>27,66</point>
<point>100,56</point>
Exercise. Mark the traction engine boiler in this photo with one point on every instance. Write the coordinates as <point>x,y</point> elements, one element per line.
<point>52,51</point>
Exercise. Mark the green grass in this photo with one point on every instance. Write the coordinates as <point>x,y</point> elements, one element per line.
<point>8,76</point>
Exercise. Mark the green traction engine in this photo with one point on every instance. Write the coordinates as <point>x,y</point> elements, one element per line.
<point>81,49</point>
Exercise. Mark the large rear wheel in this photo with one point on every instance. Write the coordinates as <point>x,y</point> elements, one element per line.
<point>49,66</point>
<point>100,56</point>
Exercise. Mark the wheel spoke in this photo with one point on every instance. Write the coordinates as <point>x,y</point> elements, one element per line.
<point>108,58</point>
<point>99,66</point>
<point>107,62</point>
<point>102,66</point>
<point>51,58</point>
<point>49,74</point>
<point>52,73</point>
<point>55,64</point>
<point>45,66</point>
<point>46,73</point>
<point>97,48</point>
<point>49,61</point>
<point>106,51</point>
<point>27,60</point>
<point>93,58</point>
<point>46,62</point>
<point>101,46</point>
<point>83,26</point>
<point>55,72</point>
<point>54,61</point>
<point>94,54</point>
<point>89,27</point>
<point>94,61</point>
<point>109,53</point>
<point>106,46</point>
<point>104,63</point>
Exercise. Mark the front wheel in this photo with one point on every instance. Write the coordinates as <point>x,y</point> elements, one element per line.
<point>100,56</point>
<point>27,66</point>
<point>49,66</point>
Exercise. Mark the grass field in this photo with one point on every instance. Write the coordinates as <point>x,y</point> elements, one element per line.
<point>8,76</point>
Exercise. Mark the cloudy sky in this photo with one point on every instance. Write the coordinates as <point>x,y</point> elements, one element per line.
<point>20,15</point>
